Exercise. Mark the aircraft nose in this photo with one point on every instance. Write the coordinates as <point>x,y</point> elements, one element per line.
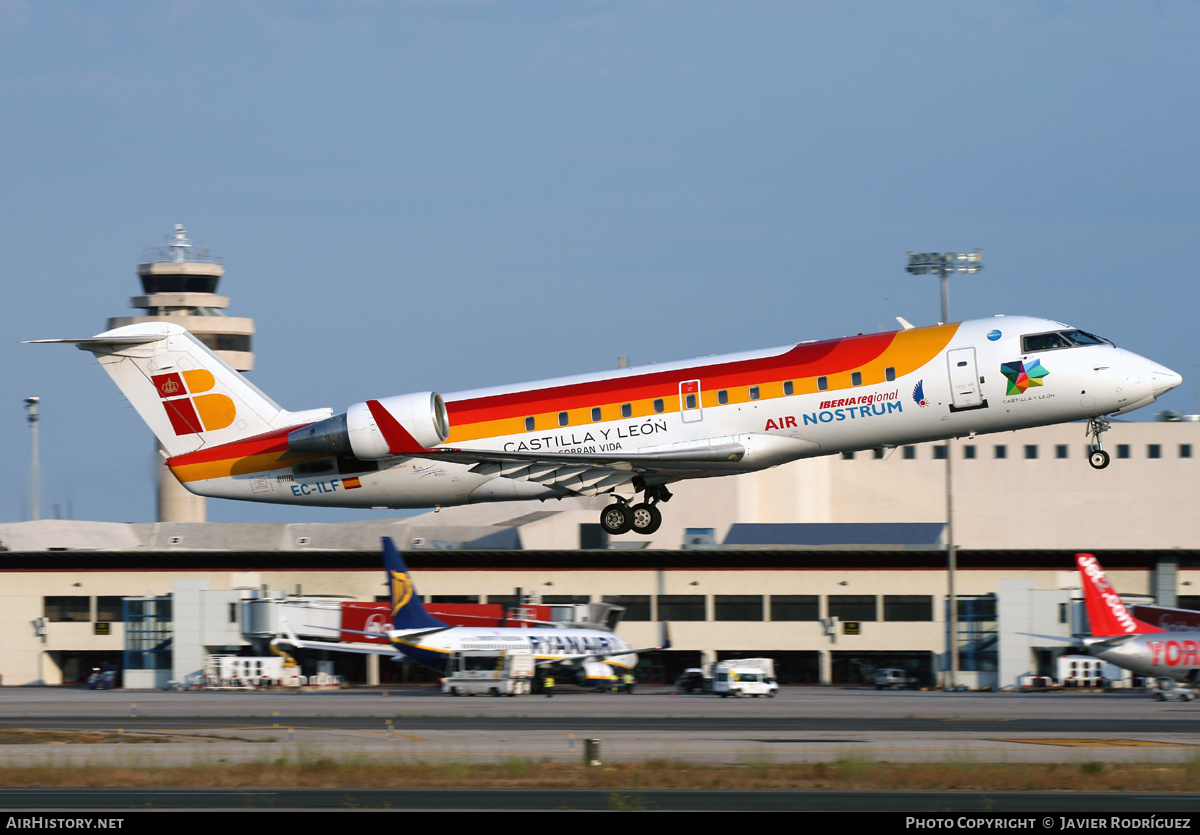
<point>1163,380</point>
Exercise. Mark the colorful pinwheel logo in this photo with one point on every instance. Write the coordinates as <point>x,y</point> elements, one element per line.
<point>1021,375</point>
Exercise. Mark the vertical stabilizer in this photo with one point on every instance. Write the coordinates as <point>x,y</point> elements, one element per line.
<point>190,397</point>
<point>408,612</point>
<point>1107,614</point>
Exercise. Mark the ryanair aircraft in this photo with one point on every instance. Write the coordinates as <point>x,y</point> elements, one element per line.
<point>584,656</point>
<point>622,433</point>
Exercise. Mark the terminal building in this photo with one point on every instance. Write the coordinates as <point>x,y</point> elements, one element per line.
<point>833,566</point>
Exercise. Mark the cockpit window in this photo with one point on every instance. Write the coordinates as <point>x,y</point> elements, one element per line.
<point>1036,342</point>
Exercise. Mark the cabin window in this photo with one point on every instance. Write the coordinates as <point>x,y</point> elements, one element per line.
<point>689,402</point>
<point>889,374</point>
<point>722,397</point>
<point>595,414</point>
<point>789,387</point>
<point>753,392</point>
<point>856,378</point>
<point>626,410</point>
<point>529,424</point>
<point>563,420</point>
<point>658,406</point>
<point>822,383</point>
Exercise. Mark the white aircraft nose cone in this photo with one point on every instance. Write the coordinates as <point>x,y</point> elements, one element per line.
<point>1163,381</point>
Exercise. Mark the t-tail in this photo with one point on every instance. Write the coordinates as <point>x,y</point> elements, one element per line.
<point>1107,613</point>
<point>408,612</point>
<point>190,397</point>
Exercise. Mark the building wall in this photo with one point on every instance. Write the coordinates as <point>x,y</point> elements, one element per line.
<point>1028,602</point>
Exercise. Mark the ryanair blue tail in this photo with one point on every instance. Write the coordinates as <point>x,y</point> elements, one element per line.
<point>408,612</point>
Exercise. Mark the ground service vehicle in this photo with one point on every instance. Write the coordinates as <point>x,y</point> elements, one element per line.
<point>745,677</point>
<point>893,678</point>
<point>481,671</point>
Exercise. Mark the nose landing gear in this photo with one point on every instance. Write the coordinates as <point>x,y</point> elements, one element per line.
<point>644,518</point>
<point>1097,457</point>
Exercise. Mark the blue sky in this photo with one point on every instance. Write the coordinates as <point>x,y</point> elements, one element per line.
<point>443,195</point>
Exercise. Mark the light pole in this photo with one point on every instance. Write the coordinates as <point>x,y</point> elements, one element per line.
<point>944,265</point>
<point>31,408</point>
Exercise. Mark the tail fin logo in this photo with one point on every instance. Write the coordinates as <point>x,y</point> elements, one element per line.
<point>402,590</point>
<point>189,408</point>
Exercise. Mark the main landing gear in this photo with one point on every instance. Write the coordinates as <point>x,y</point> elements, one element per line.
<point>1097,457</point>
<point>644,518</point>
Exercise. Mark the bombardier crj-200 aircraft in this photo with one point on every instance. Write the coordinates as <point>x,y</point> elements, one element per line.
<point>621,433</point>
<point>587,656</point>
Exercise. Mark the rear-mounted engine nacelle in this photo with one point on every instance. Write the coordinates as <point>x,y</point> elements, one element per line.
<point>377,428</point>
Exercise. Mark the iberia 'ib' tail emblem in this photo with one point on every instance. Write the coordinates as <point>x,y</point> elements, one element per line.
<point>402,590</point>
<point>188,407</point>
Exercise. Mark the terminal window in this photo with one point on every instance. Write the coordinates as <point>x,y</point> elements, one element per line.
<point>738,607</point>
<point>109,609</point>
<point>637,606</point>
<point>1185,450</point>
<point>795,607</point>
<point>61,609</point>
<point>908,607</point>
<point>681,607</point>
<point>856,607</point>
<point>969,453</point>
<point>1154,451</point>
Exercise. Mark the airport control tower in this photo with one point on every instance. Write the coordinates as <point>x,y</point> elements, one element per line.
<point>180,286</point>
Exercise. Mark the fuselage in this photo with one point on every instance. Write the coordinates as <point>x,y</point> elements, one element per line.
<point>800,401</point>
<point>434,650</point>
<point>1173,655</point>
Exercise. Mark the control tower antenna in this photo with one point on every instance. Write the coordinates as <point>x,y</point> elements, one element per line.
<point>179,284</point>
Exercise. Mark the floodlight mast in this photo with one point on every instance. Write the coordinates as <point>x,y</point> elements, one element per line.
<point>944,265</point>
<point>34,415</point>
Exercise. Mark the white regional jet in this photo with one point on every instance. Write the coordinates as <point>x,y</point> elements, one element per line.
<point>626,432</point>
<point>1120,638</point>
<point>585,656</point>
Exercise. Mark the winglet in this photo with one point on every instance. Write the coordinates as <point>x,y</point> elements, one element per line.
<point>1106,611</point>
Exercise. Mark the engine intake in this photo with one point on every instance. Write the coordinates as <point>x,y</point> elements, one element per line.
<point>402,425</point>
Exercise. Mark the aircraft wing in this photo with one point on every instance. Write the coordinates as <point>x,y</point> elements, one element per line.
<point>589,474</point>
<point>362,649</point>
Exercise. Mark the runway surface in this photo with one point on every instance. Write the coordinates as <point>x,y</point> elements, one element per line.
<point>419,724</point>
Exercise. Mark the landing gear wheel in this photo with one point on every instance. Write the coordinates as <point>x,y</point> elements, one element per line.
<point>616,519</point>
<point>1098,458</point>
<point>646,518</point>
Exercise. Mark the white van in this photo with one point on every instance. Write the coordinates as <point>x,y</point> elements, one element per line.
<point>743,681</point>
